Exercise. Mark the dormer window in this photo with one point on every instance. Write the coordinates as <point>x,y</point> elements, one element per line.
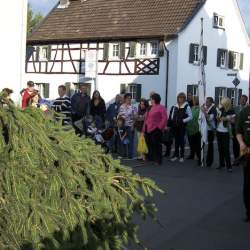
<point>219,22</point>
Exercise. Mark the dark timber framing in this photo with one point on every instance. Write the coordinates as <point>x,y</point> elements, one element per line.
<point>145,66</point>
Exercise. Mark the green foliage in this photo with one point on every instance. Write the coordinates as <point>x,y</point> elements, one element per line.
<point>32,20</point>
<point>59,191</point>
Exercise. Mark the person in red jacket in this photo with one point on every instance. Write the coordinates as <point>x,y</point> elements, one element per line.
<point>154,124</point>
<point>27,94</point>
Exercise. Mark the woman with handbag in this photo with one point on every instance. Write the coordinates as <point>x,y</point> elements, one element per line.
<point>154,124</point>
<point>138,125</point>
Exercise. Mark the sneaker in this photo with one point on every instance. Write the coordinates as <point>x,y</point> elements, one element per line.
<point>181,160</point>
<point>230,170</point>
<point>174,159</point>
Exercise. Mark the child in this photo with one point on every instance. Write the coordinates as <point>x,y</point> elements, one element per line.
<point>122,134</point>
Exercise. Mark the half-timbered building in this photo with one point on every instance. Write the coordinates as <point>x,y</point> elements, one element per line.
<point>140,46</point>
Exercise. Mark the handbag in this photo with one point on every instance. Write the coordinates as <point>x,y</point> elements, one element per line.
<point>142,147</point>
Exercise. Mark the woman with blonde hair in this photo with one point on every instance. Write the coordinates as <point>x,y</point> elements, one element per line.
<point>226,116</point>
<point>180,115</point>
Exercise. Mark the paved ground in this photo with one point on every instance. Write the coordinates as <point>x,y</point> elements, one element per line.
<point>202,209</point>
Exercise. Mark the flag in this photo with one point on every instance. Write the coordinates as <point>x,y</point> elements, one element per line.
<point>202,95</point>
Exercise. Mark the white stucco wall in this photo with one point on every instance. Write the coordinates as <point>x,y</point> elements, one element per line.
<point>233,38</point>
<point>13,15</point>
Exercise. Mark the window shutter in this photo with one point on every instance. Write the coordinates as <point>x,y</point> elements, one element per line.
<point>241,61</point>
<point>190,89</point>
<point>217,92</point>
<point>161,49</point>
<point>205,54</point>
<point>138,92</point>
<point>106,51</point>
<point>46,90</point>
<point>219,53</point>
<point>123,89</point>
<point>29,52</point>
<point>191,53</point>
<point>68,89</point>
<point>122,50</point>
<point>132,50</point>
<point>49,52</point>
<point>231,60</point>
<point>239,95</point>
<point>37,53</point>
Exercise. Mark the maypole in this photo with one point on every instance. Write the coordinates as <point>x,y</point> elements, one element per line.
<point>202,97</point>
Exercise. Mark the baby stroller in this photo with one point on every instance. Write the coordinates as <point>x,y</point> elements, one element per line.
<point>100,136</point>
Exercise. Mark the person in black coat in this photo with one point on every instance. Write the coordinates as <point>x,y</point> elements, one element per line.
<point>98,109</point>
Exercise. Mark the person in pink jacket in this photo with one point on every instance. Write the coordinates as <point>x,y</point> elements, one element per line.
<point>154,124</point>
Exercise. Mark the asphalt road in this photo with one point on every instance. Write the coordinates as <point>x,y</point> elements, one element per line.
<point>201,210</point>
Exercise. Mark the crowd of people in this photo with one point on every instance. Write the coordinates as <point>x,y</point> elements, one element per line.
<point>150,120</point>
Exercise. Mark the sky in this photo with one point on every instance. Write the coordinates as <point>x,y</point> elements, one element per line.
<point>44,6</point>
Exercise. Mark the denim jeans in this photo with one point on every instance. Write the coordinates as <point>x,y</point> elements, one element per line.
<point>131,136</point>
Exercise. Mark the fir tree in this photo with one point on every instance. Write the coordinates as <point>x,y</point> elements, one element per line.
<point>60,191</point>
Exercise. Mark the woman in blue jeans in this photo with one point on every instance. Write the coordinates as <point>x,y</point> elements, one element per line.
<point>129,112</point>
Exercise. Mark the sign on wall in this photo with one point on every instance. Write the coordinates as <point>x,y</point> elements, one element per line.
<point>91,63</point>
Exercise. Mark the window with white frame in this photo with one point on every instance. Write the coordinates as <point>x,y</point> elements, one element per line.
<point>232,97</point>
<point>115,50</point>
<point>193,90</point>
<point>223,59</point>
<point>196,54</point>
<point>154,48</point>
<point>44,53</point>
<point>236,60</point>
<point>143,49</point>
<point>222,94</point>
<point>132,89</point>
<point>219,22</point>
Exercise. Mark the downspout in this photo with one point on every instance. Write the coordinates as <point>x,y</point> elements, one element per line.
<point>167,73</point>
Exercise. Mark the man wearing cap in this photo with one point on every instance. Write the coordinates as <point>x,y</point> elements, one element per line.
<point>243,136</point>
<point>27,94</point>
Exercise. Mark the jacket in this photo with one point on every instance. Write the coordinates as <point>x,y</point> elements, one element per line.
<point>156,118</point>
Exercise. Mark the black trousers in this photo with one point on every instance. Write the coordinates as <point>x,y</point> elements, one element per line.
<point>246,187</point>
<point>195,145</point>
<point>224,149</point>
<point>210,150</point>
<point>153,141</point>
<point>179,138</point>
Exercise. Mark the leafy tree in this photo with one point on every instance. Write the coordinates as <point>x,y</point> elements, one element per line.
<point>32,20</point>
<point>60,191</point>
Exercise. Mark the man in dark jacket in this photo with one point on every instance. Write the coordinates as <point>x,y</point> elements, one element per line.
<point>113,110</point>
<point>243,136</point>
<point>80,104</point>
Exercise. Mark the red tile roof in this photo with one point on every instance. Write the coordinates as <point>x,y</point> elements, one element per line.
<point>115,19</point>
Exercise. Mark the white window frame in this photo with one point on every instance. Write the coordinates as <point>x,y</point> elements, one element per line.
<point>224,59</point>
<point>216,23</point>
<point>112,51</point>
<point>44,56</point>
<point>196,54</point>
<point>140,45</point>
<point>154,48</point>
<point>132,89</point>
<point>236,61</point>
<point>222,94</point>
